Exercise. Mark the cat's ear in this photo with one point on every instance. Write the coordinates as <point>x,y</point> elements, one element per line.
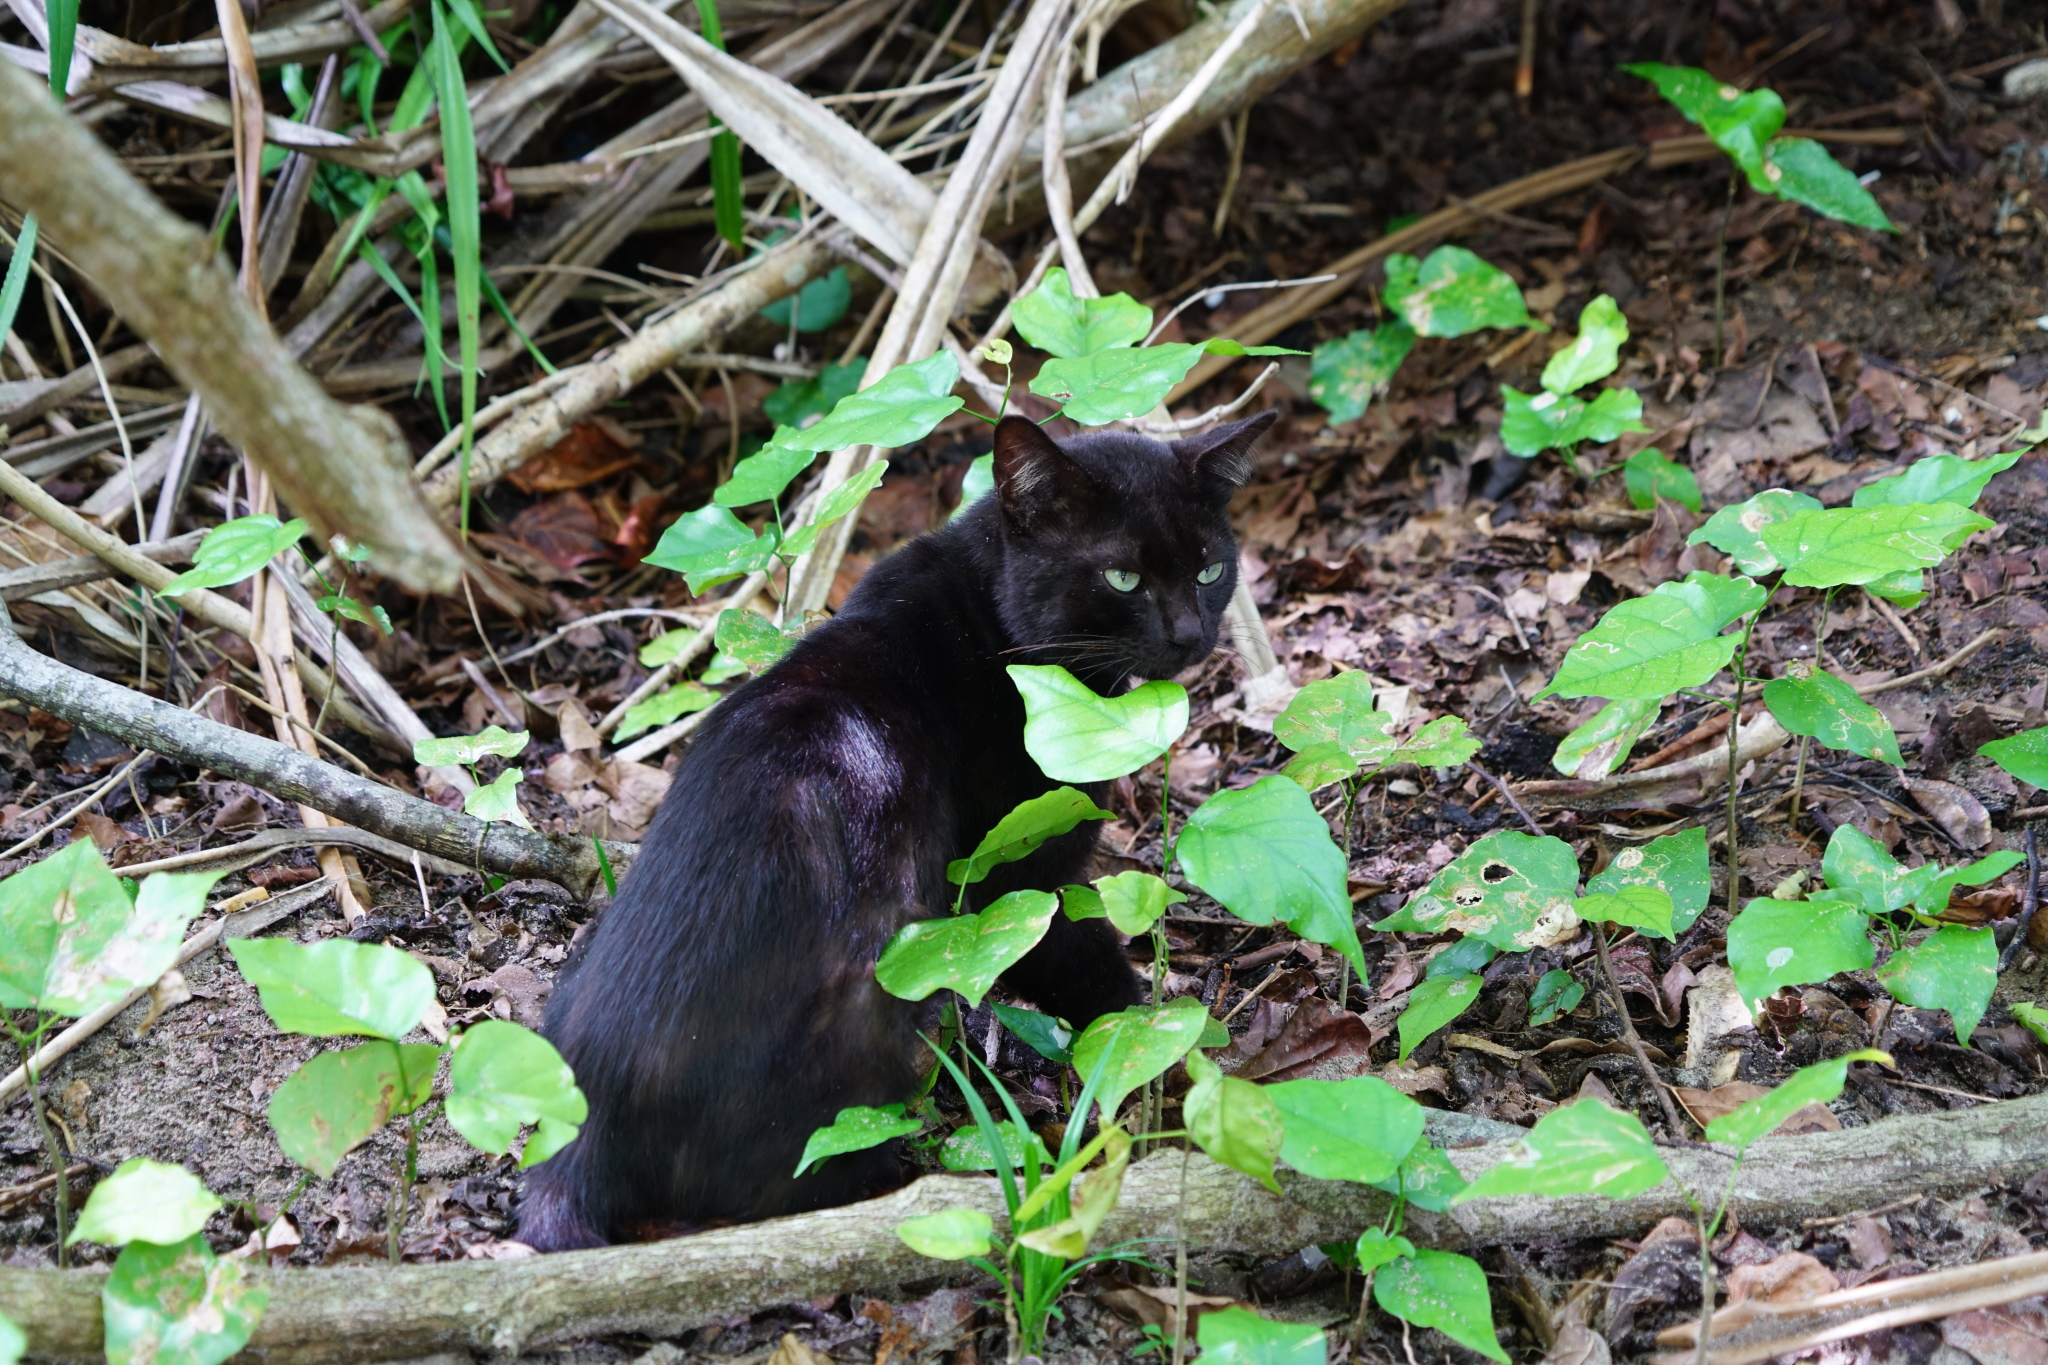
<point>1220,461</point>
<point>1037,482</point>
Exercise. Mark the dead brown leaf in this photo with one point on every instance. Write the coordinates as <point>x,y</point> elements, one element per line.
<point>1782,1279</point>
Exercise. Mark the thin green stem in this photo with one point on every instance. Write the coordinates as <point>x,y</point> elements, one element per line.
<point>1734,739</point>
<point>27,1044</point>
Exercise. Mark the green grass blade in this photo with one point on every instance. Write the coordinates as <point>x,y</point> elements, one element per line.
<point>17,275</point>
<point>990,1133</point>
<point>728,195</point>
<point>472,18</point>
<point>465,225</point>
<point>63,15</point>
<point>504,310</point>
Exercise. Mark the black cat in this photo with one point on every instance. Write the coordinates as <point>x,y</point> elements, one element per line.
<point>726,1005</point>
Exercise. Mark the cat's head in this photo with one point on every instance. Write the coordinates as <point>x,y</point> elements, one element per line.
<point>1118,557</point>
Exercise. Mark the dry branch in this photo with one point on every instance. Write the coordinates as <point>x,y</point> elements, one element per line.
<point>344,469</point>
<point>145,723</point>
<point>777,274</point>
<point>663,1288</point>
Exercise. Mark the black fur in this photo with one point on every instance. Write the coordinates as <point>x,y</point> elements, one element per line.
<point>726,1005</point>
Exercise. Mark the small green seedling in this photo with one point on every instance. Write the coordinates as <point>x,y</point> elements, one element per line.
<point>502,1077</point>
<point>1745,126</point>
<point>169,1300</point>
<point>1777,943</point>
<point>1556,418</point>
<point>497,800</point>
<point>1449,293</point>
<point>74,937</point>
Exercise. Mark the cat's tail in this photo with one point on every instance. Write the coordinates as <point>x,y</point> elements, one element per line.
<point>553,1212</point>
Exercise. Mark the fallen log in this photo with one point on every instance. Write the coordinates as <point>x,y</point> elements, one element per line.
<point>145,723</point>
<point>663,1288</point>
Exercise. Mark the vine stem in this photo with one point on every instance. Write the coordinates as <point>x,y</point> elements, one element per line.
<point>1734,739</point>
<point>1628,1032</point>
<point>27,1045</point>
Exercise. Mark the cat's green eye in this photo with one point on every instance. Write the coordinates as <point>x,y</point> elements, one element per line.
<point>1123,580</point>
<point>1210,574</point>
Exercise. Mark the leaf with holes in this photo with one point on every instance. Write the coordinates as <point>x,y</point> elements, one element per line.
<point>145,1201</point>
<point>1675,863</point>
<point>1801,170</point>
<point>1237,1123</point>
<point>1360,1130</point>
<point>235,549</point>
<point>179,1305</point>
<point>1595,354</point>
<point>1936,478</point>
<point>1452,292</point>
<point>1266,854</point>
<point>1051,318</point>
<point>1652,646</point>
<point>1846,545</point>
<point>1433,1003</point>
<point>965,952</point>
<point>1823,706</point>
<point>1513,890</point>
<point>1647,908</point>
<point>1740,123</point>
<point>1775,943</point>
<point>1816,1084</point>
<point>1602,744</point>
<point>1738,529</point>
<point>711,546</point>
<point>2025,755</point>
<point>1649,475</point>
<point>1076,736</point>
<point>1581,1148</point>
<point>1018,834</point>
<point>900,407</point>
<point>1134,1045</point>
<point>1953,969</point>
<point>336,987</point>
<point>1444,1290</point>
<point>859,1128</point>
<point>1347,373</point>
<point>504,1076</point>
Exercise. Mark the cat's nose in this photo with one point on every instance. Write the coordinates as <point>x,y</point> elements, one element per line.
<point>1184,632</point>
